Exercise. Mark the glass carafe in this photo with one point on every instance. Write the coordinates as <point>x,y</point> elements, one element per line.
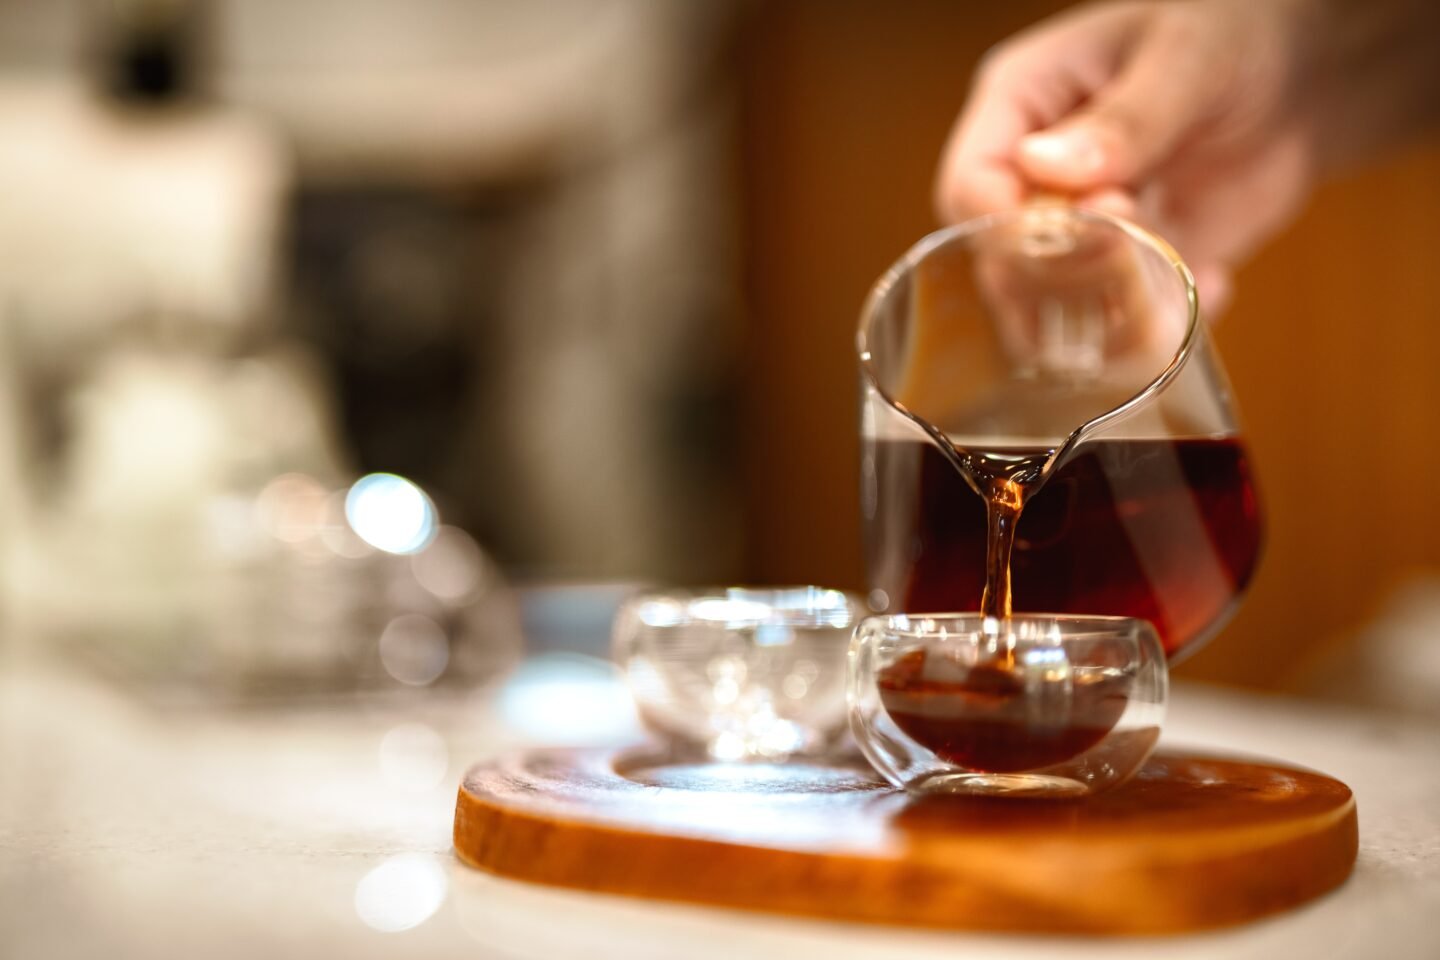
<point>1052,359</point>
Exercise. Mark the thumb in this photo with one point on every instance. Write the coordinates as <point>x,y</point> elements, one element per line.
<point>1129,127</point>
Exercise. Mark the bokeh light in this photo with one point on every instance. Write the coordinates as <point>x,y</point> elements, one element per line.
<point>451,567</point>
<point>401,893</point>
<point>391,513</point>
<point>414,649</point>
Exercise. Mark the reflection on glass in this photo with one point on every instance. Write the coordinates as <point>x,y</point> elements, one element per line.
<point>401,893</point>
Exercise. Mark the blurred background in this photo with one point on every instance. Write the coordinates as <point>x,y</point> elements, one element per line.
<point>323,322</point>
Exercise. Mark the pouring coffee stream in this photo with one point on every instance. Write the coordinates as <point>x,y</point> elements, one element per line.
<point>1042,405</point>
<point>997,713</point>
<point>1004,483</point>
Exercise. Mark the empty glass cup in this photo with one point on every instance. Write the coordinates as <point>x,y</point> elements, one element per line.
<point>739,674</point>
<point>1034,704</point>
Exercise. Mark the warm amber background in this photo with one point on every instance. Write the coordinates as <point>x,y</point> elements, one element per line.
<point>1333,341</point>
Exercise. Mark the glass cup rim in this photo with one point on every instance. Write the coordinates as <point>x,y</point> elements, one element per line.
<point>882,289</point>
<point>743,606</point>
<point>1099,626</point>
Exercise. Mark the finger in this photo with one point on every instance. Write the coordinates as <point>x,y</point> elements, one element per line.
<point>977,175</point>
<point>1132,124</point>
<point>1030,83</point>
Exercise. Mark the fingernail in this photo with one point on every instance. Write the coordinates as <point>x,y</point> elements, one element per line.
<point>1073,150</point>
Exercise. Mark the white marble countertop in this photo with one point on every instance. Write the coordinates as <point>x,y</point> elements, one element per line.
<point>131,830</point>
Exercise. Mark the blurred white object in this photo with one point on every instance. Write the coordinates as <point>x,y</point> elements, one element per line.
<point>138,244</point>
<point>155,431</point>
<point>114,214</point>
<point>269,592</point>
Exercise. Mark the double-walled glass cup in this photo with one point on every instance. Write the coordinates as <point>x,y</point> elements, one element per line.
<point>1033,705</point>
<point>1063,348</point>
<point>736,673</point>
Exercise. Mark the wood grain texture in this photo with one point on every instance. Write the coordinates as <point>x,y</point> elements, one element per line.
<point>1191,843</point>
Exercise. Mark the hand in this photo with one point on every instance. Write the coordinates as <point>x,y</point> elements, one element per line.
<point>1194,118</point>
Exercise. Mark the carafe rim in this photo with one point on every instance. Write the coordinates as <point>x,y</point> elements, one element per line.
<point>917,252</point>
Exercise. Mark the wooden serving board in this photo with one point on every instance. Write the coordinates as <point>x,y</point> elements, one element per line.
<point>1192,842</point>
